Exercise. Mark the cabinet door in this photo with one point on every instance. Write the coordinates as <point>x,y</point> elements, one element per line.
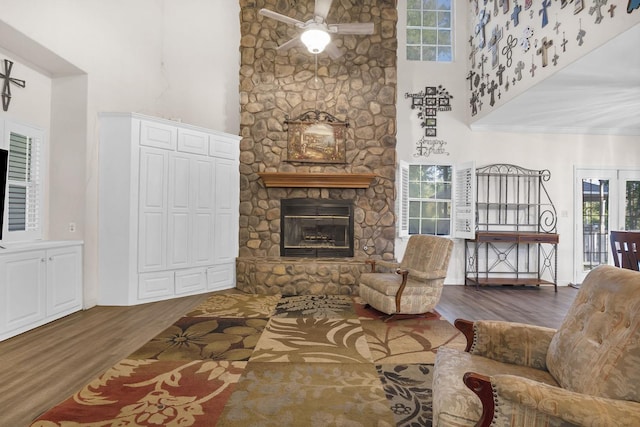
<point>226,229</point>
<point>179,212</point>
<point>202,233</point>
<point>22,289</point>
<point>154,286</point>
<point>152,234</point>
<point>64,280</point>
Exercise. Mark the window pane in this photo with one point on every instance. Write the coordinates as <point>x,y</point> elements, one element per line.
<point>414,4</point>
<point>444,227</point>
<point>429,209</point>
<point>429,19</point>
<point>414,18</point>
<point>444,37</point>
<point>444,20</point>
<point>428,226</point>
<point>444,4</point>
<point>429,37</point>
<point>413,53</point>
<point>414,189</point>
<point>413,37</point>
<point>443,191</point>
<point>444,54</point>
<point>428,53</point>
<point>428,190</point>
<point>414,226</point>
<point>429,4</point>
<point>414,209</point>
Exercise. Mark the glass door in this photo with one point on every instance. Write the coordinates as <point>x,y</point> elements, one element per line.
<point>604,200</point>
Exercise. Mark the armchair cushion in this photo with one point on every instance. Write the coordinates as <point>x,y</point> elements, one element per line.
<point>596,351</point>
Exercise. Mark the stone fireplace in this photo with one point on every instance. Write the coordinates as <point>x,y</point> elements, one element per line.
<point>359,88</point>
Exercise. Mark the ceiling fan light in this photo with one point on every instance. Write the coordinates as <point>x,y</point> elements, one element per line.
<point>315,40</point>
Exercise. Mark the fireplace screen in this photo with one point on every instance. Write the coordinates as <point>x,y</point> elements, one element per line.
<point>316,228</point>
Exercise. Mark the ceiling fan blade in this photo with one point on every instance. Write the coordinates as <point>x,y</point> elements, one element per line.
<point>322,8</point>
<point>279,17</point>
<point>333,51</point>
<point>352,28</point>
<point>294,42</point>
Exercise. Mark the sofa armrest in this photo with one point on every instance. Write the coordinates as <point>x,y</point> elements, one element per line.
<point>519,394</point>
<point>511,342</point>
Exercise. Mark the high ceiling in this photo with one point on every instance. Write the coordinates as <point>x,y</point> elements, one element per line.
<point>597,94</point>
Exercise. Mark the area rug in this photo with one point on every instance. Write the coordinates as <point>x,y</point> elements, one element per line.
<point>256,360</point>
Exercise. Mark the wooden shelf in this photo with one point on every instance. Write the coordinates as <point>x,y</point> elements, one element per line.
<point>316,180</point>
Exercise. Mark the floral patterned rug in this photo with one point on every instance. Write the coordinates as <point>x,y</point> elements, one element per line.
<point>256,360</point>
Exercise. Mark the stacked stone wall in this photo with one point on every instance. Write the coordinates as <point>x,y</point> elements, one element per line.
<point>359,87</point>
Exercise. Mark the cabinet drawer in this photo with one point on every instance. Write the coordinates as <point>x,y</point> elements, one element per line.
<point>154,285</point>
<point>223,147</point>
<point>191,141</point>
<point>220,276</point>
<point>190,281</point>
<point>158,135</point>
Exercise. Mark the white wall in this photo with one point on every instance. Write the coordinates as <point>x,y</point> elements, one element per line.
<point>166,58</point>
<point>557,152</point>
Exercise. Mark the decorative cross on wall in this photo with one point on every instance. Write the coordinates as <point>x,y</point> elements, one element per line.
<point>542,50</point>
<point>6,87</point>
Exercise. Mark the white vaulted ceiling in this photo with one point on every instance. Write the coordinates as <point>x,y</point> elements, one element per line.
<point>597,94</point>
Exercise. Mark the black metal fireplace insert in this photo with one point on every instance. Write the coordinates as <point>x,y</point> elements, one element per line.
<point>316,228</point>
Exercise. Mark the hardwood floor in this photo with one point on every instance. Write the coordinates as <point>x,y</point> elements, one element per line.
<point>40,368</point>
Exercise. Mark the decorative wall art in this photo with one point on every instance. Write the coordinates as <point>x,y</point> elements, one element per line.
<point>316,137</point>
<point>6,86</point>
<point>520,41</point>
<point>429,102</point>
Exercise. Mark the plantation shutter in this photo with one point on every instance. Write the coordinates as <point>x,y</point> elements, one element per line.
<point>464,224</point>
<point>403,201</point>
<point>23,183</point>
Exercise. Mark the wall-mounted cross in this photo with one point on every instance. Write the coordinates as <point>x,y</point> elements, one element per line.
<point>483,17</point>
<point>515,16</point>
<point>542,50</point>
<point>6,87</point>
<point>597,9</point>
<point>543,12</point>
<point>494,45</point>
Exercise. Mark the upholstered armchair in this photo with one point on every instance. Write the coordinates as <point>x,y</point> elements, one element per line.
<point>586,373</point>
<point>413,286</point>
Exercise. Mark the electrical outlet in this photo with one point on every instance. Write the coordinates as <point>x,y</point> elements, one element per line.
<point>72,227</point>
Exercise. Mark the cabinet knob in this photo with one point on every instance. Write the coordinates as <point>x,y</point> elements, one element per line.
<point>43,260</point>
<point>50,258</point>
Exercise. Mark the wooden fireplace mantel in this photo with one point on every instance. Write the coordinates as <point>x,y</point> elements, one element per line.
<point>317,180</point>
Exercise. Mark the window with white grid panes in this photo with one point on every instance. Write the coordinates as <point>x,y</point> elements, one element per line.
<point>429,30</point>
<point>429,199</point>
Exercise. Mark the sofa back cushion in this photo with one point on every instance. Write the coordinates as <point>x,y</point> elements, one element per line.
<point>596,350</point>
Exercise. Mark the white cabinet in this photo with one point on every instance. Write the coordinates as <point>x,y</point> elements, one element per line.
<point>169,198</point>
<point>39,283</point>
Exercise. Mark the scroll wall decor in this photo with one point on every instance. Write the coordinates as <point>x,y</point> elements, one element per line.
<point>429,103</point>
<point>316,137</point>
<point>6,86</point>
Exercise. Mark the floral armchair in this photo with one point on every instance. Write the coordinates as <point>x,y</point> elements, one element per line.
<point>413,286</point>
<point>586,373</point>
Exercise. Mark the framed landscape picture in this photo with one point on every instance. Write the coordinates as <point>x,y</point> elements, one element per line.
<point>316,137</point>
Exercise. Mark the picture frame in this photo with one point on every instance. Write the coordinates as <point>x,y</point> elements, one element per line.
<point>316,137</point>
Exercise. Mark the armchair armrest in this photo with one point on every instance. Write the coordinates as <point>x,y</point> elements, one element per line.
<point>426,275</point>
<point>506,396</point>
<point>508,342</point>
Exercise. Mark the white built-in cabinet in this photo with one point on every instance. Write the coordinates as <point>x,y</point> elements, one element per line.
<point>39,282</point>
<point>169,197</point>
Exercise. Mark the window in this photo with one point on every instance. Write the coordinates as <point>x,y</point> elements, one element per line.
<point>429,30</point>
<point>23,195</point>
<point>425,199</point>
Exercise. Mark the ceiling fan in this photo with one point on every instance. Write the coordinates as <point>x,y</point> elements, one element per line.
<point>316,34</point>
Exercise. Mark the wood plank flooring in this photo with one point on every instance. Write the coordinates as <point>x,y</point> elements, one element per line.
<point>40,368</point>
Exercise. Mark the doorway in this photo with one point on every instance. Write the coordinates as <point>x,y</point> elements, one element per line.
<point>605,200</point>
